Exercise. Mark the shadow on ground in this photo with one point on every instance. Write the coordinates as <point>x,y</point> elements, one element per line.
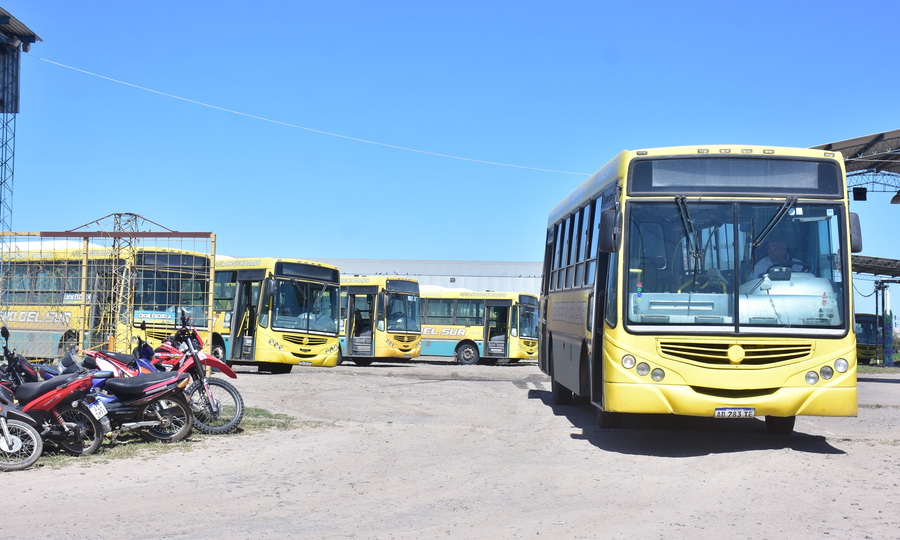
<point>665,435</point>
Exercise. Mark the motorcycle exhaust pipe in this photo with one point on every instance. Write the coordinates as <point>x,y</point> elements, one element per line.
<point>138,425</point>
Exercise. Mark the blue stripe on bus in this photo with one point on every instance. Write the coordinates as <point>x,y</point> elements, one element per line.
<point>437,347</point>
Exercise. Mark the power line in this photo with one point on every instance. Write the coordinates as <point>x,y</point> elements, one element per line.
<point>295,126</point>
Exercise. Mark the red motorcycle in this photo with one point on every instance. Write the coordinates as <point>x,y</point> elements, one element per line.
<point>66,414</point>
<point>217,405</point>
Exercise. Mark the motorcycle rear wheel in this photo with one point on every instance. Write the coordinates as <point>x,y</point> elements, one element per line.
<point>23,450</point>
<point>225,396</point>
<point>175,420</point>
<point>89,427</point>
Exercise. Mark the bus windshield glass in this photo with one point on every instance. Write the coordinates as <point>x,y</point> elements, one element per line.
<point>528,322</point>
<point>312,307</point>
<point>403,312</point>
<point>747,266</point>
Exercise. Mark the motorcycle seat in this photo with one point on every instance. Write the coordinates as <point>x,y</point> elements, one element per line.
<point>29,391</point>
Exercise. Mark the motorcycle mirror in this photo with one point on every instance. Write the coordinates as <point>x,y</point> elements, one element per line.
<point>5,332</point>
<point>143,326</point>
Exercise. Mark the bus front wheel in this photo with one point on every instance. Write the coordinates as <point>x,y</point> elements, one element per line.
<point>608,419</point>
<point>467,354</point>
<point>780,425</point>
<point>218,350</point>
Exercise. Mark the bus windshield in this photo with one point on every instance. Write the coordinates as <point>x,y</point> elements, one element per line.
<point>866,331</point>
<point>528,322</point>
<point>300,305</point>
<point>403,312</point>
<point>751,266</point>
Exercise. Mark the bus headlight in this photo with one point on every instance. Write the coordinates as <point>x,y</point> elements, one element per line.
<point>826,372</point>
<point>841,365</point>
<point>628,361</point>
<point>643,368</point>
<point>812,377</point>
<point>657,374</point>
<point>275,344</point>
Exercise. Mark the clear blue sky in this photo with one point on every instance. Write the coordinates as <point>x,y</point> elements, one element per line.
<point>540,85</point>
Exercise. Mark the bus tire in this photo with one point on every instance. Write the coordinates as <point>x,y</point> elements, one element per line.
<point>467,354</point>
<point>780,425</point>
<point>218,350</point>
<point>608,419</point>
<point>362,362</point>
<point>340,359</point>
<point>559,393</point>
<point>69,341</point>
<point>280,369</point>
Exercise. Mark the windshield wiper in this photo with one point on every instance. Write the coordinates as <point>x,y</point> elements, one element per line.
<point>688,225</point>
<point>776,219</point>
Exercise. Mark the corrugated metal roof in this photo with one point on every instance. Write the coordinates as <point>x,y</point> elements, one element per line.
<point>14,28</point>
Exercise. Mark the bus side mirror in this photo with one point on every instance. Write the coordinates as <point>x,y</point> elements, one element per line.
<point>856,245</point>
<point>610,230</point>
<point>271,287</point>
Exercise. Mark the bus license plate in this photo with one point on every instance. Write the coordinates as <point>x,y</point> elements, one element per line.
<point>736,412</point>
<point>98,409</point>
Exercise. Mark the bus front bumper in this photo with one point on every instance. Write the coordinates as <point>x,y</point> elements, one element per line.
<point>684,400</point>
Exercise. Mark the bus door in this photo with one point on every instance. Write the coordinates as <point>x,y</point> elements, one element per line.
<point>361,320</point>
<point>496,328</point>
<point>244,321</point>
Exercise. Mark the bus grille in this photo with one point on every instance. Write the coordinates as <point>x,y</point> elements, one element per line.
<point>717,353</point>
<point>305,340</point>
<point>529,343</point>
<point>405,339</point>
<point>158,334</point>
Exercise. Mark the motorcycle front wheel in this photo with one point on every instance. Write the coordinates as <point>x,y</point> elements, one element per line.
<point>87,434</point>
<point>220,415</point>
<point>23,448</point>
<point>174,416</point>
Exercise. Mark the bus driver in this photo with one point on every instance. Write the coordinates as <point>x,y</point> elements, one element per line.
<point>777,256</point>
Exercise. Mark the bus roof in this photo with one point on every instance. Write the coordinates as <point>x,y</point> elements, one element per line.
<point>617,167</point>
<point>263,262</point>
<point>465,293</point>
<point>68,249</point>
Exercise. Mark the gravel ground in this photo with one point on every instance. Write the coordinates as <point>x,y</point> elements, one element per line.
<point>431,448</point>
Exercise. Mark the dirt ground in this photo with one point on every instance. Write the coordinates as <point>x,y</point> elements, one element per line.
<point>430,448</point>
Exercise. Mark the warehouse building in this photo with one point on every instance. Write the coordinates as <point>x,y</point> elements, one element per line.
<point>474,275</point>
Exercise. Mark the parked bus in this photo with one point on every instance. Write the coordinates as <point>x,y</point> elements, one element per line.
<point>381,318</point>
<point>868,328</point>
<point>653,302</point>
<point>480,326</point>
<point>276,313</point>
<point>62,295</point>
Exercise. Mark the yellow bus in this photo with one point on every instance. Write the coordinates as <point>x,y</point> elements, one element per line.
<point>381,318</point>
<point>867,331</point>
<point>64,294</point>
<point>275,313</point>
<point>479,326</point>
<point>704,281</point>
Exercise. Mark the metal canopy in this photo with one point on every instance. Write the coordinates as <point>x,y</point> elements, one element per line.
<point>876,266</point>
<point>14,31</point>
<point>871,160</point>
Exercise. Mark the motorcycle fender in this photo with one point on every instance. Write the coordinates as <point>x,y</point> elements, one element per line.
<point>215,363</point>
<point>13,413</point>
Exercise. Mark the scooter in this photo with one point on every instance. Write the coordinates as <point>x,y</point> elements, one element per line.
<point>20,443</point>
